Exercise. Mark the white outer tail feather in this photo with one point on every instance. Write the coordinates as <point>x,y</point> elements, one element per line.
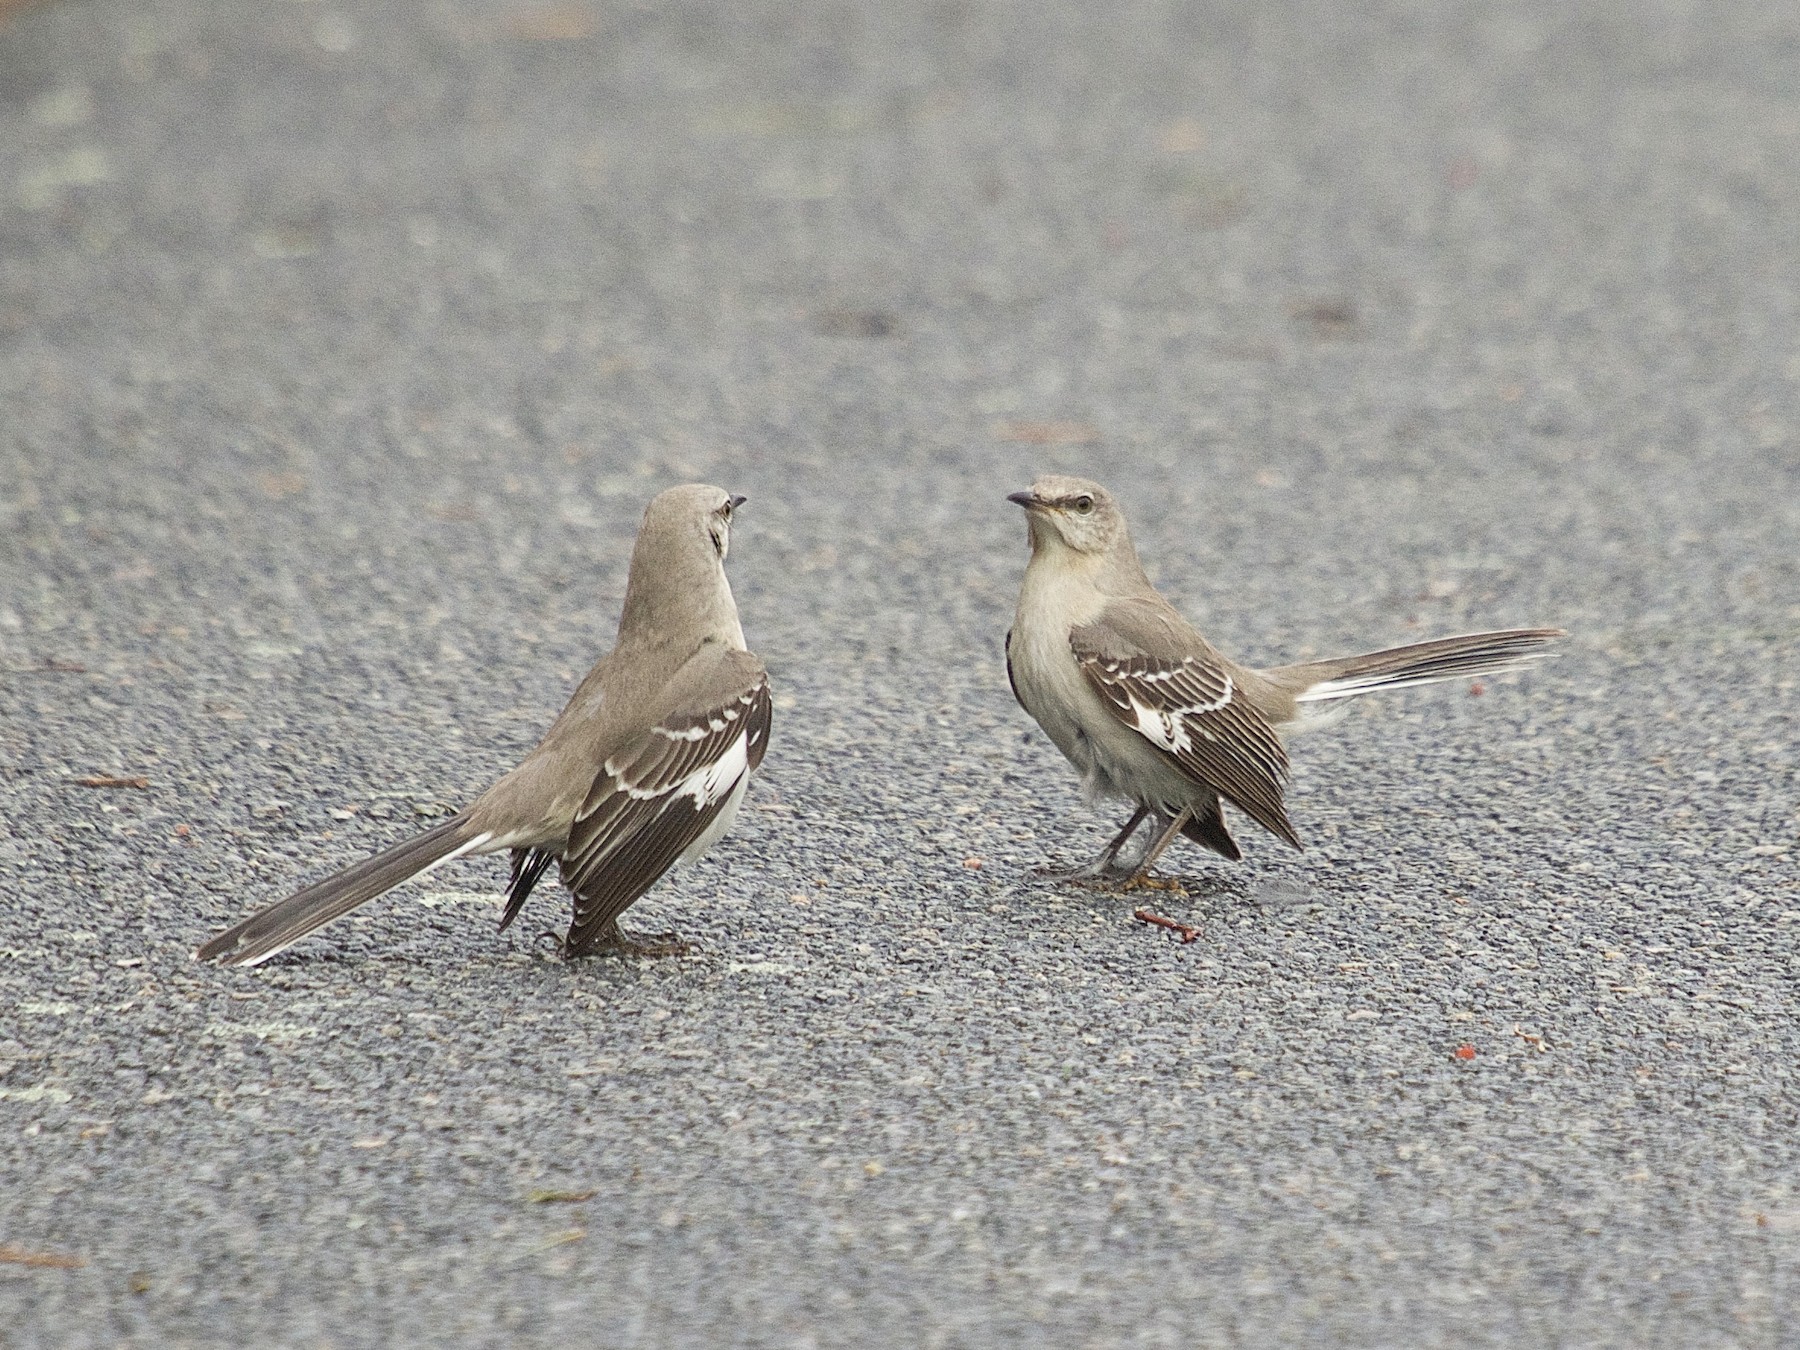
<point>1352,685</point>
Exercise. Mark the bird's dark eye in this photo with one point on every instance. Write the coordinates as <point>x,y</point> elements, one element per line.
<point>1084,504</point>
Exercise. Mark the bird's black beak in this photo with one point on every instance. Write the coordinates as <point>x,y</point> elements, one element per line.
<point>1025,499</point>
<point>737,502</point>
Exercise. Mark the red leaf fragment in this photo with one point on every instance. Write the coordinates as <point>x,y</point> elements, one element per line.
<point>1187,930</point>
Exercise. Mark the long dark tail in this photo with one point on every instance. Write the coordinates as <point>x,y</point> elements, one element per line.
<point>285,922</point>
<point>1451,658</point>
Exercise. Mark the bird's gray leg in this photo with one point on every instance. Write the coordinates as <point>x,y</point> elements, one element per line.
<point>1130,860</point>
<point>1105,863</point>
<point>1154,852</point>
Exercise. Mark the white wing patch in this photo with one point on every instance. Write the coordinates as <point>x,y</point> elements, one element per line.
<point>707,783</point>
<point>716,781</point>
<point>1168,726</point>
<point>1159,728</point>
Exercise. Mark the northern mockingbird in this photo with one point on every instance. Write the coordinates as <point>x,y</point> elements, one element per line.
<point>1146,709</point>
<point>644,768</point>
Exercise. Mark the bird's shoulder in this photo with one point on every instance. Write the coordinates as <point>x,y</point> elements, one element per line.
<point>713,676</point>
<point>629,691</point>
<point>717,693</point>
<point>724,697</point>
<point>1147,630</point>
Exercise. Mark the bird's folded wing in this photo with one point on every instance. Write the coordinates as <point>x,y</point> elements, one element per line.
<point>1191,708</point>
<point>658,794</point>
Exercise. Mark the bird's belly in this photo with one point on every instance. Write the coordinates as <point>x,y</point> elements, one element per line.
<point>1126,765</point>
<point>1112,759</point>
<point>1053,690</point>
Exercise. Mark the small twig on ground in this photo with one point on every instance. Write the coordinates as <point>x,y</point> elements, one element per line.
<point>560,1197</point>
<point>14,1255</point>
<point>1187,930</point>
<point>108,780</point>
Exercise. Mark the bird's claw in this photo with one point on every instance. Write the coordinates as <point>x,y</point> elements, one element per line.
<point>1095,874</point>
<point>1167,885</point>
<point>649,945</point>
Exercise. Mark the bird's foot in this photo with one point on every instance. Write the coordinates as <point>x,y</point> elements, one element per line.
<point>1143,881</point>
<point>642,944</point>
<point>1100,873</point>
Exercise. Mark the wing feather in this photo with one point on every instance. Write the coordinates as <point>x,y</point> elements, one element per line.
<point>1194,711</point>
<point>654,800</point>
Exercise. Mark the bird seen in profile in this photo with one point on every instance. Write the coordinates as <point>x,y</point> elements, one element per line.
<point>1147,710</point>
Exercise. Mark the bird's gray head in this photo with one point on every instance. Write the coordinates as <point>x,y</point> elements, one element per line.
<point>677,567</point>
<point>691,513</point>
<point>1072,513</point>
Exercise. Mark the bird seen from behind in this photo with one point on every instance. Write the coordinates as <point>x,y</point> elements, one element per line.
<point>643,769</point>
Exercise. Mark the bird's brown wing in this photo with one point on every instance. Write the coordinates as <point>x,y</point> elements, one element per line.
<point>656,796</point>
<point>1193,709</point>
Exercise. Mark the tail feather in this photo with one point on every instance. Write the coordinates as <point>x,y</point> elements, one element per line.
<point>285,922</point>
<point>528,865</point>
<point>1451,658</point>
<point>1207,828</point>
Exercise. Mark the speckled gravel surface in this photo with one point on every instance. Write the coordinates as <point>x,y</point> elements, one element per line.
<point>340,348</point>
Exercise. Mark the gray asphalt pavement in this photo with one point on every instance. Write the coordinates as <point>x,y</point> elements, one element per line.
<point>340,348</point>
